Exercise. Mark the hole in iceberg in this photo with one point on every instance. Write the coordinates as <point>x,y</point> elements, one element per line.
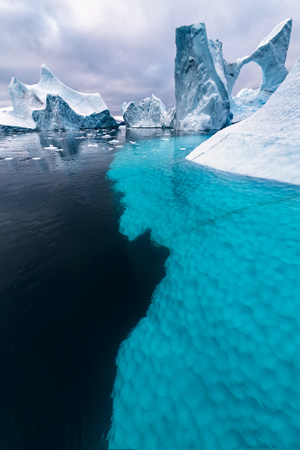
<point>249,77</point>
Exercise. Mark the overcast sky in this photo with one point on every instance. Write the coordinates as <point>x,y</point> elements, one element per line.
<point>125,49</point>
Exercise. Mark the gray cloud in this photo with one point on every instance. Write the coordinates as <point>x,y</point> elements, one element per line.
<point>125,49</point>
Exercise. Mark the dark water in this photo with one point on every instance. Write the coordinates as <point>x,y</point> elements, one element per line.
<point>71,289</point>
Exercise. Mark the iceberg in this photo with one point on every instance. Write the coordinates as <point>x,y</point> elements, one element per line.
<point>270,54</point>
<point>202,100</point>
<point>149,113</point>
<point>50,105</point>
<point>265,145</point>
<point>204,79</point>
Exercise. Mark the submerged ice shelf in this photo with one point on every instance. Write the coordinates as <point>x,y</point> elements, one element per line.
<point>215,362</point>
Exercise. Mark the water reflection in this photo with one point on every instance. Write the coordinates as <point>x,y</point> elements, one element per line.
<point>48,150</point>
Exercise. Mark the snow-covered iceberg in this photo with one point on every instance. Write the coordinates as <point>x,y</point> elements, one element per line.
<point>149,113</point>
<point>267,144</point>
<point>204,79</point>
<point>202,100</point>
<point>50,105</point>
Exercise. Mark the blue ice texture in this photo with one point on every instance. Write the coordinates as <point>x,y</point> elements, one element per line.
<point>215,363</point>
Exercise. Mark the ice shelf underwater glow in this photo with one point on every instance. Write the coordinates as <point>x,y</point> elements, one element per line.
<point>50,105</point>
<point>204,82</point>
<point>215,364</point>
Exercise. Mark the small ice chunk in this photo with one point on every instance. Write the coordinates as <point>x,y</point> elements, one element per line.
<point>51,147</point>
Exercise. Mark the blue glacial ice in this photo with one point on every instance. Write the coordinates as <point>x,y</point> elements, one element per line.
<point>216,361</point>
<point>204,79</point>
<point>265,145</point>
<point>149,113</point>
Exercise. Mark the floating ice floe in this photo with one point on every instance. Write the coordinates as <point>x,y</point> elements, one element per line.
<point>50,105</point>
<point>265,145</point>
<point>51,147</point>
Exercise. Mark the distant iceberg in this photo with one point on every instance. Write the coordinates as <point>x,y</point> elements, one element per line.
<point>265,145</point>
<point>50,105</point>
<point>149,113</point>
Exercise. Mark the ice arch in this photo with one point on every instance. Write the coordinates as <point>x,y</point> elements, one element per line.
<point>270,54</point>
<point>204,79</point>
<point>250,77</point>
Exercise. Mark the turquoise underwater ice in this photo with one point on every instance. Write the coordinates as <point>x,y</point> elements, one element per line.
<point>216,361</point>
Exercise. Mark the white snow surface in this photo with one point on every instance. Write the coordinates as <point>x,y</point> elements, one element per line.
<point>274,33</point>
<point>83,104</point>
<point>149,113</point>
<point>265,145</point>
<point>29,98</point>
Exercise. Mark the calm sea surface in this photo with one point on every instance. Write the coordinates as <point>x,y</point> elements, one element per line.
<point>71,288</point>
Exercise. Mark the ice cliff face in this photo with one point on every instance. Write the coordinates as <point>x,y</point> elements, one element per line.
<point>58,115</point>
<point>204,79</point>
<point>52,105</point>
<point>202,100</point>
<point>267,144</point>
<point>149,113</point>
